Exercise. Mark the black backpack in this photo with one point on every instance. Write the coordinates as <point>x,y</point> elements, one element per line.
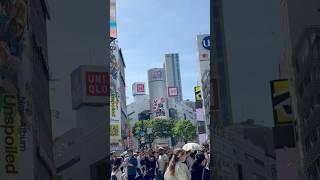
<point>114,177</point>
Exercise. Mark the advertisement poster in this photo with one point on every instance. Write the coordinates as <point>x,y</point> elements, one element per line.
<point>173,91</point>
<point>115,132</point>
<point>115,107</point>
<point>281,102</point>
<point>15,95</point>
<point>159,107</point>
<point>113,20</point>
<point>197,91</point>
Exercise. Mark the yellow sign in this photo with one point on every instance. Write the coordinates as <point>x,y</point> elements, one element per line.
<point>197,91</point>
<point>113,105</point>
<point>281,102</point>
<point>115,131</point>
<point>10,133</point>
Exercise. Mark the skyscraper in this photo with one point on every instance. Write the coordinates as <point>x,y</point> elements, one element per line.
<point>173,76</point>
<point>157,92</point>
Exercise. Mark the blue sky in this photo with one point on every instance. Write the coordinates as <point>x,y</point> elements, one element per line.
<point>148,29</point>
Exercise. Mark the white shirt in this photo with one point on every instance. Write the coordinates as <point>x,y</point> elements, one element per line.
<point>163,159</point>
<point>181,173</point>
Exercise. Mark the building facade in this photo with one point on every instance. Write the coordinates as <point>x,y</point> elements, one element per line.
<point>301,56</point>
<point>306,90</point>
<point>158,93</point>
<point>237,158</point>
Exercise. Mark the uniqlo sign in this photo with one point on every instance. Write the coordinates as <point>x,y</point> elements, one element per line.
<point>140,88</point>
<point>172,91</point>
<point>97,83</point>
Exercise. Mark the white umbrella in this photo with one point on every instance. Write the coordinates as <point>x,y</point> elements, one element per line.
<point>124,153</point>
<point>192,147</point>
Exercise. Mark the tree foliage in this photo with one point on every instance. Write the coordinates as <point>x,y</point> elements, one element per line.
<point>185,130</point>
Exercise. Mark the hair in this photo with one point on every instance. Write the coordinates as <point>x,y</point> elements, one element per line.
<point>117,164</point>
<point>175,158</point>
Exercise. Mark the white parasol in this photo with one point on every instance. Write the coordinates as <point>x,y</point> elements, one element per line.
<point>192,147</point>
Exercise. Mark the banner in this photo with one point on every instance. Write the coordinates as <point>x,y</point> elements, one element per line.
<point>113,20</point>
<point>115,106</point>
<point>197,91</point>
<point>115,132</point>
<point>16,115</point>
<point>281,102</point>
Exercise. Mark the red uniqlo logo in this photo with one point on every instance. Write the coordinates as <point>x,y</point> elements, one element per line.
<point>205,55</point>
<point>140,87</point>
<point>97,83</point>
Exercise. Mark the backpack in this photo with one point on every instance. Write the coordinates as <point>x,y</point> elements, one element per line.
<point>114,177</point>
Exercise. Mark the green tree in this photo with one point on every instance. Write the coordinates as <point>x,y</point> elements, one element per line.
<point>162,128</point>
<point>138,127</point>
<point>185,130</point>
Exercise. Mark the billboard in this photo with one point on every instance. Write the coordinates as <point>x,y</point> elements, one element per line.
<point>113,21</point>
<point>16,95</point>
<point>115,132</point>
<point>197,91</point>
<point>115,97</point>
<point>173,91</point>
<point>156,74</point>
<point>89,84</point>
<point>159,107</point>
<point>281,102</point>
<point>138,89</point>
<point>204,46</point>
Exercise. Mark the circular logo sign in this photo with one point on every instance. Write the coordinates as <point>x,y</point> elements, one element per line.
<point>206,42</point>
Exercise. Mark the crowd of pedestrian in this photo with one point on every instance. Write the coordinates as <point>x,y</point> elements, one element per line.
<point>161,164</point>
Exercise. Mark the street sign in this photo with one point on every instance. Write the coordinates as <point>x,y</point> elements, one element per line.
<point>149,130</point>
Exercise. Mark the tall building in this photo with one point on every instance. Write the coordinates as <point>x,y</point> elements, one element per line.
<point>302,55</point>
<point>173,76</point>
<point>26,131</point>
<point>158,93</point>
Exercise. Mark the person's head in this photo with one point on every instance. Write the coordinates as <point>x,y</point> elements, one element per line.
<point>130,152</point>
<point>200,159</point>
<point>178,155</point>
<point>117,164</point>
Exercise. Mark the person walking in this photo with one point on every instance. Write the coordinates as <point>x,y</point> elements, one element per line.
<point>150,167</point>
<point>132,166</point>
<point>177,170</point>
<point>116,171</point>
<point>163,161</point>
<point>199,170</point>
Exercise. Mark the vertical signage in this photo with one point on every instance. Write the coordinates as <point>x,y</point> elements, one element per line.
<point>281,102</point>
<point>113,21</point>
